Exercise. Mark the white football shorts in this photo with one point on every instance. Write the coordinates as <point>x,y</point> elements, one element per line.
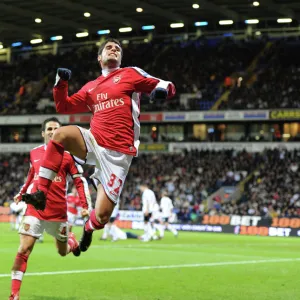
<point>34,227</point>
<point>111,167</point>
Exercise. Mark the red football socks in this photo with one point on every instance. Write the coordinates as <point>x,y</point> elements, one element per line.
<point>72,241</point>
<point>18,270</point>
<point>51,165</point>
<point>92,223</point>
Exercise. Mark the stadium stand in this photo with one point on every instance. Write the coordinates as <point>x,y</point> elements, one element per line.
<point>29,92</point>
<point>273,189</point>
<point>209,68</point>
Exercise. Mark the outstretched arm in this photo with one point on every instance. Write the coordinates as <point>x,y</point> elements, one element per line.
<point>68,104</point>
<point>157,88</point>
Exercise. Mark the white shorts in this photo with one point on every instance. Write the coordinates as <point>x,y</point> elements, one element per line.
<point>34,227</point>
<point>111,167</point>
<point>71,218</point>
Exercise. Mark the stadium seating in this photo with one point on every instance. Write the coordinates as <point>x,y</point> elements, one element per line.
<point>201,67</point>
<point>198,174</point>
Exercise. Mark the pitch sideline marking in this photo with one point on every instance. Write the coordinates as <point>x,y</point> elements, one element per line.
<point>213,264</point>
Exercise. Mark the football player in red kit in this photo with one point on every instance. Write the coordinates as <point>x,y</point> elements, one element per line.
<point>53,217</point>
<point>74,206</point>
<point>113,139</point>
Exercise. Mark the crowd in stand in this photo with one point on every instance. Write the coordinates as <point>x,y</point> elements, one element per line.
<point>204,69</point>
<point>276,84</point>
<point>272,189</point>
<point>198,67</point>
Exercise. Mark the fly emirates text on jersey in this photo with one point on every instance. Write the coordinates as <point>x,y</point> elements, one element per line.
<point>106,103</point>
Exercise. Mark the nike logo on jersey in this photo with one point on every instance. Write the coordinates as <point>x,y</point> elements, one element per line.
<point>91,89</point>
<point>36,160</point>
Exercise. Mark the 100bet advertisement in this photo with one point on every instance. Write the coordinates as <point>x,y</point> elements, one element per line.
<point>235,224</point>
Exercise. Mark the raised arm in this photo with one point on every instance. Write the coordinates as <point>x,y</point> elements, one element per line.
<point>68,104</point>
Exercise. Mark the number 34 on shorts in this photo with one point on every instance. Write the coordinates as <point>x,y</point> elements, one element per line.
<point>114,184</point>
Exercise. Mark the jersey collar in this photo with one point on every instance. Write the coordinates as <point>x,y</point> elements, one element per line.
<point>106,72</point>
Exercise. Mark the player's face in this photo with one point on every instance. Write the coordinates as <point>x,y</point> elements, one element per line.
<point>49,131</point>
<point>111,56</point>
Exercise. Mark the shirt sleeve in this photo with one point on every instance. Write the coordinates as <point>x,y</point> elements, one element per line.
<point>145,83</point>
<point>81,184</point>
<point>30,177</point>
<point>69,104</point>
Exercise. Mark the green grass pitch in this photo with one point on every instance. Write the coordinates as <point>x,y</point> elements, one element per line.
<point>193,266</point>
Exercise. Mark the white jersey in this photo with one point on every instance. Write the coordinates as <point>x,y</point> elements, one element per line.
<point>156,214</point>
<point>149,201</point>
<point>166,206</point>
<point>117,234</point>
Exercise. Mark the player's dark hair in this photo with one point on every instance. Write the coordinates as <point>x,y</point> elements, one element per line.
<point>112,40</point>
<point>52,119</point>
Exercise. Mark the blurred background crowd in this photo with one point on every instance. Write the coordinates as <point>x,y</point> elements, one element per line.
<point>271,82</point>
<point>269,181</point>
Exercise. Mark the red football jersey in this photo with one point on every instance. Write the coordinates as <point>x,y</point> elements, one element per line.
<point>56,205</point>
<point>114,100</point>
<point>73,203</point>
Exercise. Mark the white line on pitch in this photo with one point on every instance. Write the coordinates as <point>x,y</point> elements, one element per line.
<point>212,264</point>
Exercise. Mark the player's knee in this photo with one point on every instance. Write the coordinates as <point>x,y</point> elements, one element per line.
<point>103,217</point>
<point>59,135</point>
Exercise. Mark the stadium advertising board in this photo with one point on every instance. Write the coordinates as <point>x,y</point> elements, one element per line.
<point>151,117</point>
<point>174,117</point>
<point>256,115</point>
<point>285,114</point>
<point>192,116</point>
<point>235,224</point>
<point>214,116</point>
<point>153,147</point>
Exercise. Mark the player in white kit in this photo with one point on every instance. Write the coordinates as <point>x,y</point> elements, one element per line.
<point>148,207</point>
<point>18,210</point>
<point>166,207</point>
<point>109,224</point>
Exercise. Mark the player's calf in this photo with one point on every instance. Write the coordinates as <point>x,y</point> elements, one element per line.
<point>90,225</point>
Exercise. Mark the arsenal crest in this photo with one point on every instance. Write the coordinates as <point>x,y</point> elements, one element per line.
<point>26,227</point>
<point>63,231</point>
<point>117,78</point>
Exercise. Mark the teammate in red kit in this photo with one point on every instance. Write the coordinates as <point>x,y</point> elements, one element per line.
<point>74,207</point>
<point>53,219</point>
<point>113,138</point>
